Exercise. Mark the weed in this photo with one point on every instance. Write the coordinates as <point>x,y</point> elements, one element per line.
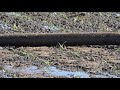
<point>118,71</point>
<point>15,26</point>
<point>48,63</point>
<point>101,13</point>
<point>27,17</point>
<point>1,68</point>
<point>77,18</point>
<point>28,54</point>
<point>118,50</point>
<point>23,53</point>
<point>75,54</point>
<point>62,46</point>
<point>63,15</point>
<point>34,57</point>
<point>15,14</point>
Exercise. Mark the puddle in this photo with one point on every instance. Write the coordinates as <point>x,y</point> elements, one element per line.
<point>49,70</point>
<point>54,71</point>
<point>32,70</point>
<point>3,74</point>
<point>24,70</point>
<point>106,75</point>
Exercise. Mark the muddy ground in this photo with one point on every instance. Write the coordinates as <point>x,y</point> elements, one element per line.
<point>93,61</point>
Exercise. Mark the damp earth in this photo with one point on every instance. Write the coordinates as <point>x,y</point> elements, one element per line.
<point>60,61</point>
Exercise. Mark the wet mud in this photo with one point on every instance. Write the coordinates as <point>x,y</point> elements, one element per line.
<point>61,61</point>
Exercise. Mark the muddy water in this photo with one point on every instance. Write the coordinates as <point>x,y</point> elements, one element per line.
<point>24,70</point>
<point>49,70</point>
<point>54,71</point>
<point>106,75</point>
<point>4,75</point>
<point>32,70</point>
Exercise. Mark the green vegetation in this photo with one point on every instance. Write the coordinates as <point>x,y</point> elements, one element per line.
<point>74,54</point>
<point>27,54</point>
<point>78,18</point>
<point>63,15</point>
<point>47,62</point>
<point>62,46</point>
<point>1,68</point>
<point>118,50</point>
<point>15,26</point>
<point>34,57</point>
<point>19,15</point>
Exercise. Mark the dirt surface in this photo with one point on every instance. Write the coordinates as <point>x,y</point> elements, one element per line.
<point>28,62</point>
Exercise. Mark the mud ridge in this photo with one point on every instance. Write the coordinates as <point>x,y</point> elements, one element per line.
<point>69,39</point>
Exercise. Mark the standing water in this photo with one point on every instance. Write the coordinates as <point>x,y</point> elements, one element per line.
<point>50,70</point>
<point>32,70</point>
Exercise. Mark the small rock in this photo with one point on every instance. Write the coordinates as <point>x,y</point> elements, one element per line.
<point>1,48</point>
<point>118,15</point>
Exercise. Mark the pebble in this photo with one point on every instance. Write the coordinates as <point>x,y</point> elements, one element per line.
<point>118,15</point>
<point>1,48</point>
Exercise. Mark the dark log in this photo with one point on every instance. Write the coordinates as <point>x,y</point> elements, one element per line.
<point>70,39</point>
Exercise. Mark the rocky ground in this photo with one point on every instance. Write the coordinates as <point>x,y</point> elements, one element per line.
<point>98,61</point>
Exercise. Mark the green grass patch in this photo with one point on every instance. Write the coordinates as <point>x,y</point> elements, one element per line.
<point>118,50</point>
<point>62,46</point>
<point>47,63</point>
<point>74,54</point>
